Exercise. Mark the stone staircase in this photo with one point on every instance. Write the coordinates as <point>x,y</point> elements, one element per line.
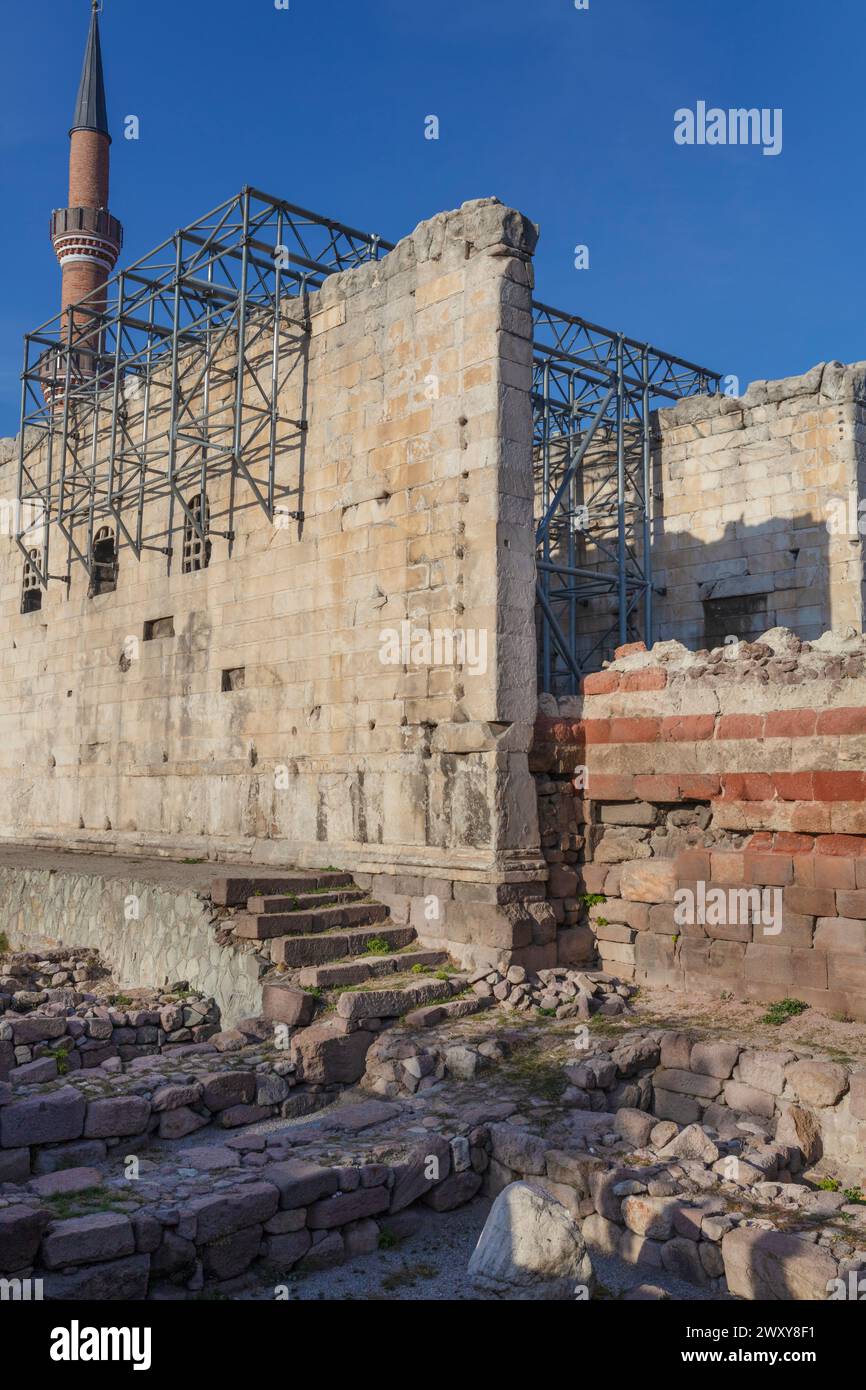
<point>341,969</point>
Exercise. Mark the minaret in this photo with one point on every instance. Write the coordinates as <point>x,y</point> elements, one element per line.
<point>86,238</point>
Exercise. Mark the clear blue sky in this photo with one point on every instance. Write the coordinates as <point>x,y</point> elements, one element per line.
<point>747,264</point>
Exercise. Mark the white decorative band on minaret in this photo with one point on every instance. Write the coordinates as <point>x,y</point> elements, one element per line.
<point>88,248</point>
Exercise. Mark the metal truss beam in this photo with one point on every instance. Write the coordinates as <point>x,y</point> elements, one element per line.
<point>169,378</point>
<point>593,394</point>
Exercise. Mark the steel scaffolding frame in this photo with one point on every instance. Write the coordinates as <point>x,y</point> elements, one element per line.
<point>593,393</point>
<point>168,378</point>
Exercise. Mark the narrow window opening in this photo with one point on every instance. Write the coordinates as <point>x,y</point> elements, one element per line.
<point>103,579</point>
<point>196,552</point>
<point>31,589</point>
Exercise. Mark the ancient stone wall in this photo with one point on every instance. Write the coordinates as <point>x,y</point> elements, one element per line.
<point>252,709</point>
<point>700,777</point>
<point>747,532</point>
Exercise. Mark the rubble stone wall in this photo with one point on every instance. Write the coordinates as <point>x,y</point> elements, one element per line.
<point>736,769</point>
<point>149,935</point>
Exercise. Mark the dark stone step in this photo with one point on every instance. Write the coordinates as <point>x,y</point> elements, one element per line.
<point>299,902</point>
<point>297,951</point>
<point>234,892</point>
<point>268,925</point>
<point>367,967</point>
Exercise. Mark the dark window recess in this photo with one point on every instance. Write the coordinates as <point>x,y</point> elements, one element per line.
<point>196,552</point>
<point>744,616</point>
<point>234,679</point>
<point>158,627</point>
<point>31,589</point>
<point>103,580</point>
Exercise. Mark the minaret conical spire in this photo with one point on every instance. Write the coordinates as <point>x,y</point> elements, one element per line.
<point>90,112</point>
<point>86,237</point>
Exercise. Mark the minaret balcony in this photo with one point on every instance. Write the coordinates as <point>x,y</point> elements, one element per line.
<point>94,221</point>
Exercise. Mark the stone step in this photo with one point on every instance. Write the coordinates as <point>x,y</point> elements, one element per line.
<point>270,924</point>
<point>391,1003</point>
<point>299,902</point>
<point>297,951</point>
<point>367,967</point>
<point>431,1014</point>
<point>234,892</point>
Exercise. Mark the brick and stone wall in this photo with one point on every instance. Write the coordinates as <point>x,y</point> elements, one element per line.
<point>736,769</point>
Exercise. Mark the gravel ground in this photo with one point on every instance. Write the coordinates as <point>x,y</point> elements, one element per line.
<point>430,1266</point>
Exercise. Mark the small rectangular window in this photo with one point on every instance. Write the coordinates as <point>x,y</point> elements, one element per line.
<point>743,616</point>
<point>233,679</point>
<point>158,627</point>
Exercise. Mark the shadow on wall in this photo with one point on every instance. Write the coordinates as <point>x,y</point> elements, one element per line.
<point>775,573</point>
<point>782,572</point>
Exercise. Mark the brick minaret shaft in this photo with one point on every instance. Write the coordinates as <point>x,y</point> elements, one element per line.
<point>86,238</point>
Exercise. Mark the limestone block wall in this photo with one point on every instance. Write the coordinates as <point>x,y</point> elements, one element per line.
<point>716,773</point>
<point>415,485</point>
<point>745,488</point>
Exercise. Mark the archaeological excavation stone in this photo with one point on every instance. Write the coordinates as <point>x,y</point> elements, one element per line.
<point>530,1249</point>
<point>772,1265</point>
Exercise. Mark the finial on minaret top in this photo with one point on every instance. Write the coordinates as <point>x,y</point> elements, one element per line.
<point>90,111</point>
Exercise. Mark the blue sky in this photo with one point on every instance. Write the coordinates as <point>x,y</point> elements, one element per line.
<point>747,264</point>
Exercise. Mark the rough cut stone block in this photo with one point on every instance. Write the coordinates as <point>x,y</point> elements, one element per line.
<point>764,1070</point>
<point>530,1248</point>
<point>676,1051</point>
<point>714,1058</point>
<point>681,1258</point>
<point>687,1083</point>
<point>14,1165</point>
<point>20,1233</point>
<point>857,1082</point>
<point>670,1105</point>
<point>635,1126</point>
<point>122,1281</point>
<point>818,1083</point>
<point>454,1191</point>
<point>328,1058</point>
<point>650,1216</point>
<point>749,1100</point>
<point>429,1163</point>
<point>116,1116</point>
<point>222,1215</point>
<point>282,1004</point>
<point>602,1234</point>
<point>229,1256</point>
<point>773,1265</point>
<point>518,1149</point>
<point>801,1130</point>
<point>66,1182</point>
<point>649,881</point>
<point>300,1183</point>
<point>344,1207</point>
<point>283,1251</point>
<point>87,1239</point>
<point>223,1089</point>
<point>43,1119</point>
